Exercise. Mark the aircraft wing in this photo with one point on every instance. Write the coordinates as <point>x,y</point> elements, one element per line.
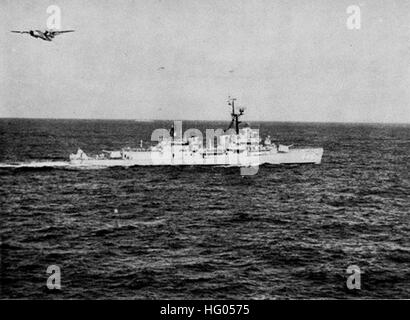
<point>56,33</point>
<point>20,31</point>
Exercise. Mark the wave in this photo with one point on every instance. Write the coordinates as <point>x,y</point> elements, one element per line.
<point>126,226</point>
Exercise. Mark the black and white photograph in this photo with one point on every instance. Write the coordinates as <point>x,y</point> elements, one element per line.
<point>215,150</point>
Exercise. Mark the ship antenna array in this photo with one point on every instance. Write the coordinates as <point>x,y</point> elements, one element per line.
<point>235,116</point>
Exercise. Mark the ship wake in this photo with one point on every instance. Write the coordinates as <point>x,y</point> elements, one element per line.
<point>47,164</point>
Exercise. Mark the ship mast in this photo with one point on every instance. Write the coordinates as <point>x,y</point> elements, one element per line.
<point>235,116</point>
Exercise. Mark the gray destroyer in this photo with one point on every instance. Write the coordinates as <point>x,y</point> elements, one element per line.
<point>235,146</point>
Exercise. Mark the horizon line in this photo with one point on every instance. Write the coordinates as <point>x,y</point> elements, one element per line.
<point>213,120</point>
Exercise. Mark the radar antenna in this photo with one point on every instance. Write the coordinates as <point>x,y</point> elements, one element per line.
<point>235,116</point>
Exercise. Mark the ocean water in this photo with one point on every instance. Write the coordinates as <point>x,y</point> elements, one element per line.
<point>204,232</point>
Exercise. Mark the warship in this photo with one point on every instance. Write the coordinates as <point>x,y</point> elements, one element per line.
<point>236,146</point>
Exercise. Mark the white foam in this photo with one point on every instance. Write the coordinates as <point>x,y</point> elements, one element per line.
<point>57,164</point>
<point>35,164</point>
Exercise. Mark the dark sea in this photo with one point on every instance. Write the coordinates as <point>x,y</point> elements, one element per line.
<point>198,232</point>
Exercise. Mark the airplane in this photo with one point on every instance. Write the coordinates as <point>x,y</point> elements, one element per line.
<point>47,35</point>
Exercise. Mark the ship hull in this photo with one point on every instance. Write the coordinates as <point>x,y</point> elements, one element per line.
<point>294,156</point>
<point>141,158</point>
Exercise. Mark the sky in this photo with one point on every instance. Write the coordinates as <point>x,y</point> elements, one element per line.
<point>181,59</point>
